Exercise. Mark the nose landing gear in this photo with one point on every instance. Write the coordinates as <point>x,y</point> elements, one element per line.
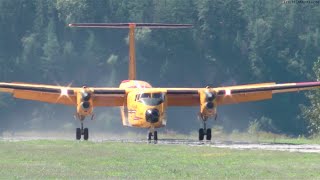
<point>154,134</point>
<point>204,131</point>
<point>82,131</point>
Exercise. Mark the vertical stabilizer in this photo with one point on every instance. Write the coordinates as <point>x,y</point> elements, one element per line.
<point>132,53</point>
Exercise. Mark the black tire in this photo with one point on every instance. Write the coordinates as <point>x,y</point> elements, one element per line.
<point>201,134</point>
<point>208,137</point>
<point>86,134</point>
<point>78,134</point>
<point>155,137</point>
<point>149,137</point>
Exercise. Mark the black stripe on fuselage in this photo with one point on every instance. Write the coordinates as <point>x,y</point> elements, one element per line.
<point>39,89</point>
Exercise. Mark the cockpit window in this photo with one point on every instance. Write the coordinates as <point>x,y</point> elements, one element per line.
<point>145,95</point>
<point>153,99</point>
<point>157,95</point>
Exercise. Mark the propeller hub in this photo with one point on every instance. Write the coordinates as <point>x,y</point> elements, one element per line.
<point>86,96</point>
<point>210,96</point>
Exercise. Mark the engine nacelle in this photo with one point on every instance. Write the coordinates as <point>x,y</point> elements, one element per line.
<point>208,103</point>
<point>84,102</point>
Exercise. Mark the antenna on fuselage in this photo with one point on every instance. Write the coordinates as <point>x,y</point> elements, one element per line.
<point>131,26</point>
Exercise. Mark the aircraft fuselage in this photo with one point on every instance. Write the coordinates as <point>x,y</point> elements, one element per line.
<point>143,108</point>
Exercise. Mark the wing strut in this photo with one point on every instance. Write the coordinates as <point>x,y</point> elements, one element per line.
<point>131,26</point>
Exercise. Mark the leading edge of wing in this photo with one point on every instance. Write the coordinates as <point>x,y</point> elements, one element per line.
<point>10,87</point>
<point>274,88</point>
<point>62,94</point>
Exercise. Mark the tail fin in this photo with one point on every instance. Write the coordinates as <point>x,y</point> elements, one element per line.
<point>131,26</point>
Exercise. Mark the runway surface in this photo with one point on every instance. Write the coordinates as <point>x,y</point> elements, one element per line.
<point>306,148</point>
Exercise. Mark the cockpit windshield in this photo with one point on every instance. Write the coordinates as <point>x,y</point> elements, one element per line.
<point>151,99</point>
<point>145,95</point>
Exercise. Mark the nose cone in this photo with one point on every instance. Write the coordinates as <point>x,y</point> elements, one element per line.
<point>152,115</point>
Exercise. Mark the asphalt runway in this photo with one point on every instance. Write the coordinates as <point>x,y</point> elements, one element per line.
<point>305,148</point>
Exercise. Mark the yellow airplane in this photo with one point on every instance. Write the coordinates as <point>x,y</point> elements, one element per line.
<point>142,105</point>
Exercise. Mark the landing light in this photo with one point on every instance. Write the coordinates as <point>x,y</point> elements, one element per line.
<point>228,92</point>
<point>64,92</point>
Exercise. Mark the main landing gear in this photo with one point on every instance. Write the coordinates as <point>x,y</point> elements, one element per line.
<point>82,131</point>
<point>204,131</point>
<point>154,134</point>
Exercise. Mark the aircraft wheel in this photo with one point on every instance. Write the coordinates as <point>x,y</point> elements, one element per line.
<point>149,137</point>
<point>78,134</point>
<point>201,134</point>
<point>86,134</point>
<point>155,137</point>
<point>208,137</point>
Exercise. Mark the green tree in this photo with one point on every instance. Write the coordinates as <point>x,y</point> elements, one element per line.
<point>311,112</point>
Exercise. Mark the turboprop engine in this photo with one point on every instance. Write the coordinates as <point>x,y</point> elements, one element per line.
<point>207,103</point>
<point>84,102</point>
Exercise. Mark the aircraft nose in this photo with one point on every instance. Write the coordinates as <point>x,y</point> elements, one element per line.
<point>152,115</point>
<point>209,105</point>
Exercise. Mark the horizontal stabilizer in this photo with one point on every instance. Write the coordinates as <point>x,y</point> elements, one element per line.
<point>128,25</point>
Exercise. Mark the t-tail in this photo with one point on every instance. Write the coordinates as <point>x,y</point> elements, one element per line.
<point>132,27</point>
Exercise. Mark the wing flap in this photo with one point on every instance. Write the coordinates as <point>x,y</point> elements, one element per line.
<point>182,97</point>
<point>109,96</point>
<point>108,100</point>
<point>183,100</point>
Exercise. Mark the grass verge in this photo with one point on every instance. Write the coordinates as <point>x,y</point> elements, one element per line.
<point>82,160</point>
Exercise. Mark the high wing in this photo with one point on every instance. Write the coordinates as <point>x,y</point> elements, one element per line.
<point>175,96</point>
<point>62,94</point>
<point>235,94</point>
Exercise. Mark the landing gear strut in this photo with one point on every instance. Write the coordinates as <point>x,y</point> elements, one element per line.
<point>154,134</point>
<point>204,131</point>
<point>82,131</point>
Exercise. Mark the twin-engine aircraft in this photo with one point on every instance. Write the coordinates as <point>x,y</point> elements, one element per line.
<point>142,105</point>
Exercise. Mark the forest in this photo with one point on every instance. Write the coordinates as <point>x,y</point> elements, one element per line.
<point>231,42</point>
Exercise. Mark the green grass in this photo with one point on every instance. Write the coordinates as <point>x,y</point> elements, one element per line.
<point>259,137</point>
<point>82,160</point>
<point>265,137</point>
